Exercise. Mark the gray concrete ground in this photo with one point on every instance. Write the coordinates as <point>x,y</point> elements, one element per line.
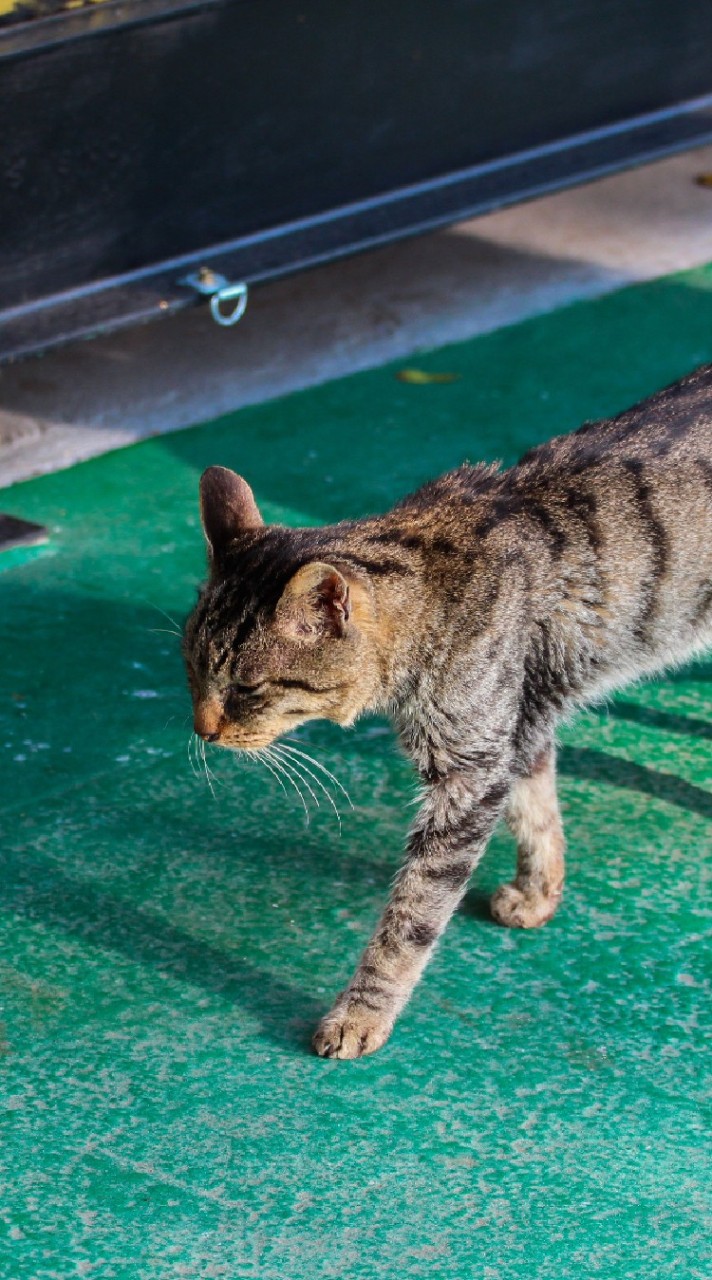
<point>91,396</point>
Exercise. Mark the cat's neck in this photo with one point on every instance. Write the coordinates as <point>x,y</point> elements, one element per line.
<point>395,612</point>
<point>399,605</point>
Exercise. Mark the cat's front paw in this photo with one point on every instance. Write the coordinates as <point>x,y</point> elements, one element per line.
<point>523,908</point>
<point>351,1030</point>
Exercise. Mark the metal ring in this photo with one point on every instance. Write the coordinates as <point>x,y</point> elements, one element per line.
<point>230,293</point>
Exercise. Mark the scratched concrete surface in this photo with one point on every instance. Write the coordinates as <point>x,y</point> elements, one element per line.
<point>543,1106</point>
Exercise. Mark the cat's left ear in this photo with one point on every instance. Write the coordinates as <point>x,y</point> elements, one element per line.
<point>315,602</point>
<point>227,508</point>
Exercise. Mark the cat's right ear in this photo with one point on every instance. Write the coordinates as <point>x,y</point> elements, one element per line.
<point>227,509</point>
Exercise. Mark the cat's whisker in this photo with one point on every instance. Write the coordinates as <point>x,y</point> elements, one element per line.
<point>293,768</point>
<point>175,628</point>
<point>171,719</point>
<point>261,757</point>
<point>281,769</point>
<point>212,773</point>
<point>201,743</point>
<point>191,741</point>
<point>318,765</point>
<point>196,755</point>
<point>201,748</point>
<point>303,768</point>
<point>164,631</point>
<point>167,616</point>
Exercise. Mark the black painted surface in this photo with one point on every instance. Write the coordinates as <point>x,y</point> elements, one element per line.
<point>20,533</point>
<point>136,134</point>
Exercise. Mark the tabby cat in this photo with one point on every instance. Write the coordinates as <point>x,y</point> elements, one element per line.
<point>477,613</point>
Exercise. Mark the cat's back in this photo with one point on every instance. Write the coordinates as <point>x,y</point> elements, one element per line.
<point>627,517</point>
<point>604,500</point>
<point>672,426</point>
<point>641,480</point>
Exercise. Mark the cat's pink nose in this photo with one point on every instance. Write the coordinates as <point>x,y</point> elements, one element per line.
<point>207,720</point>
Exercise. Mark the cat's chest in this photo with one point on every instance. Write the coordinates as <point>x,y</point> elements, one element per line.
<point>432,731</point>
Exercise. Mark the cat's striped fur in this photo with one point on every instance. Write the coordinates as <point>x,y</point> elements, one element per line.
<point>477,612</point>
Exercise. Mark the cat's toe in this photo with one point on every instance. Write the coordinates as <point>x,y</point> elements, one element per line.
<point>350,1031</point>
<point>523,908</point>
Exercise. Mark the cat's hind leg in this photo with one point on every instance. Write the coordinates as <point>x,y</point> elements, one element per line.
<point>533,817</point>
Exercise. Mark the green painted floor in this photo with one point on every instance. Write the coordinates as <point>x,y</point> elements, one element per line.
<point>542,1109</point>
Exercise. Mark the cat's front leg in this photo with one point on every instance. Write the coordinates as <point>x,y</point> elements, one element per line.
<point>448,840</point>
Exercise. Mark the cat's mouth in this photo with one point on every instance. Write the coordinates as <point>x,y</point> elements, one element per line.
<point>237,741</point>
<point>233,740</point>
<point>254,744</point>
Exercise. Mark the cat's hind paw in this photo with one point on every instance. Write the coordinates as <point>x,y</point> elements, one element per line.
<point>351,1030</point>
<point>523,908</point>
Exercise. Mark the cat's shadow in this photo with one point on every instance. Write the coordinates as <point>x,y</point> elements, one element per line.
<point>41,893</point>
<point>476,905</point>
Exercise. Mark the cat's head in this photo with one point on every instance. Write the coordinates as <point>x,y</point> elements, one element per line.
<point>280,635</point>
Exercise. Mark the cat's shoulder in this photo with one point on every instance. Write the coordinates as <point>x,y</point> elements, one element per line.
<point>465,483</point>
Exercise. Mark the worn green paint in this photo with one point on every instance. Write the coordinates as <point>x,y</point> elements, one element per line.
<point>540,1109</point>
